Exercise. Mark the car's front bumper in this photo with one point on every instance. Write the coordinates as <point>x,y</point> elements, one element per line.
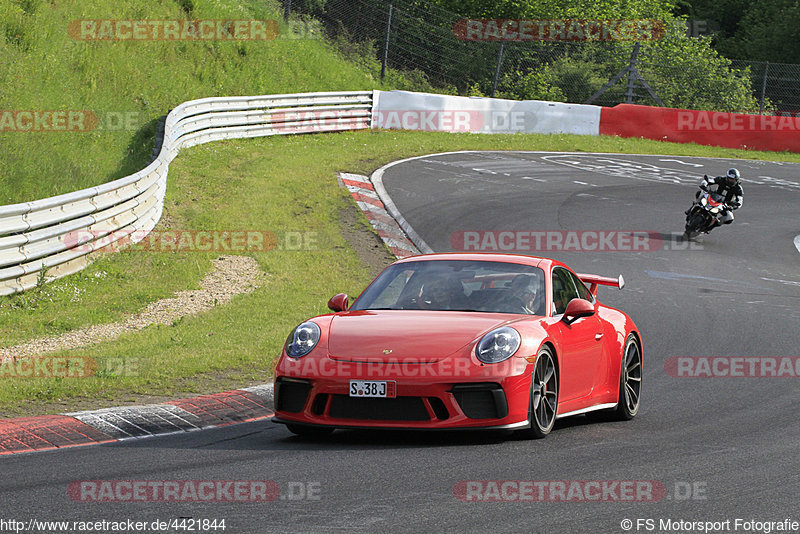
<point>499,402</point>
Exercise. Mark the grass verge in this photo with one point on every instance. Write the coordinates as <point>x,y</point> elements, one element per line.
<point>128,84</point>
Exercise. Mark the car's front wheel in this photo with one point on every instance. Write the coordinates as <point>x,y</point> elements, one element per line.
<point>544,396</point>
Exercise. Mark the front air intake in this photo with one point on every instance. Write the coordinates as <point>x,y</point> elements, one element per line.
<point>483,400</point>
<point>291,394</point>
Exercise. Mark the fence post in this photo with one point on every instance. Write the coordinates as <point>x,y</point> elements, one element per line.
<point>386,42</point>
<point>497,70</point>
<point>286,10</point>
<point>629,94</point>
<point>763,89</point>
<point>633,75</point>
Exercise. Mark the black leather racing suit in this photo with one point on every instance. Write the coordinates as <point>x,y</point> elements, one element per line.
<point>733,195</point>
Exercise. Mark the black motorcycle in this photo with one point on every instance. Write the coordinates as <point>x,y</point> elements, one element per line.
<point>703,216</point>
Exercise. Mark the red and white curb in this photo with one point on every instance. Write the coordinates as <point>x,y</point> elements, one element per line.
<point>28,434</point>
<point>363,192</point>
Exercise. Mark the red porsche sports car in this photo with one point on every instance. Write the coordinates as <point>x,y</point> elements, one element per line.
<point>446,341</point>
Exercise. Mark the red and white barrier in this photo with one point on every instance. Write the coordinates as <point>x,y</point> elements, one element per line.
<point>731,130</point>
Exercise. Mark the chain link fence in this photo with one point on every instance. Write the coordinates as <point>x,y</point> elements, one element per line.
<point>776,85</point>
<point>413,44</point>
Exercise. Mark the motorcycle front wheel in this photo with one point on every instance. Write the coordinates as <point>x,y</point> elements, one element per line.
<point>694,225</point>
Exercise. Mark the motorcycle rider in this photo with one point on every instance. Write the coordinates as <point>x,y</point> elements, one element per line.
<point>730,188</point>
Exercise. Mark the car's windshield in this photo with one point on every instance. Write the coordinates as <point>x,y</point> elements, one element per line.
<point>463,285</point>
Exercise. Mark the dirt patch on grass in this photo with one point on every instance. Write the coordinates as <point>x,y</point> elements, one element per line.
<point>230,276</point>
<point>366,243</point>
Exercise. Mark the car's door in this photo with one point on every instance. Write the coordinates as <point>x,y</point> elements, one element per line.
<point>581,340</point>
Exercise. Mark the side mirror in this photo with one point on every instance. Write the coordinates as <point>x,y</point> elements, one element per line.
<point>576,309</point>
<point>339,302</point>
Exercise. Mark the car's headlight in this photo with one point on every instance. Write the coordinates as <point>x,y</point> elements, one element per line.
<point>498,345</point>
<point>302,340</point>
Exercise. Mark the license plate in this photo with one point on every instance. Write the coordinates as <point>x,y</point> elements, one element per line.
<point>373,388</point>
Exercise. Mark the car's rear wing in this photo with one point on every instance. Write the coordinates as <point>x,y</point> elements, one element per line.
<point>593,280</point>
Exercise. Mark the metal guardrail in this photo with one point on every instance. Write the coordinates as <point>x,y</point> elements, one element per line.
<point>60,235</point>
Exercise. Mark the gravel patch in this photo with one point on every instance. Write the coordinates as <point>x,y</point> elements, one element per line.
<point>230,276</point>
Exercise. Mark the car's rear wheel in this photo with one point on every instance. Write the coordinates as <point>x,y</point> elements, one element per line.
<point>544,396</point>
<point>630,380</point>
<point>310,431</point>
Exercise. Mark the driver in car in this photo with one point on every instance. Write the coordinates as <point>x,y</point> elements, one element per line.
<point>443,294</point>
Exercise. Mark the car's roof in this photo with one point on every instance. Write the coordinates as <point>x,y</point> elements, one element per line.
<point>543,263</point>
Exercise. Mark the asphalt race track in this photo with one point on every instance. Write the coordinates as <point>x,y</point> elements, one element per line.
<point>722,447</point>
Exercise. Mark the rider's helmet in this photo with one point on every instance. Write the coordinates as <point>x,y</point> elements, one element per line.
<point>732,177</point>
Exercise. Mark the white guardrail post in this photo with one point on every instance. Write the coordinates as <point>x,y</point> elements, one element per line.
<point>62,234</point>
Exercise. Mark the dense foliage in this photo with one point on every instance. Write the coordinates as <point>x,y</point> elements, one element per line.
<point>685,72</point>
<point>762,31</point>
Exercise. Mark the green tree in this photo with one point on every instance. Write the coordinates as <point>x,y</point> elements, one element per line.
<point>758,31</point>
<point>518,85</point>
<point>687,73</point>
